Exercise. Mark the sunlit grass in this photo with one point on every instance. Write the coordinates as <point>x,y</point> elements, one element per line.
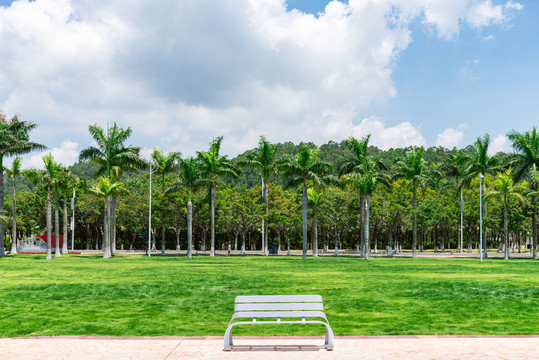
<point>170,295</point>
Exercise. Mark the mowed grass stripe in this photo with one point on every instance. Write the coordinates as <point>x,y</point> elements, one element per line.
<point>170,295</point>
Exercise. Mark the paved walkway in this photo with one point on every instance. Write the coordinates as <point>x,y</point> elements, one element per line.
<point>260,348</point>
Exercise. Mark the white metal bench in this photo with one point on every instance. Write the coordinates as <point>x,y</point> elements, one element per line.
<point>276,307</point>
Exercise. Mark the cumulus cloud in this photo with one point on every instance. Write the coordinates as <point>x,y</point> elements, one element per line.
<point>401,135</point>
<point>451,137</point>
<point>498,143</point>
<point>180,73</point>
<point>66,154</point>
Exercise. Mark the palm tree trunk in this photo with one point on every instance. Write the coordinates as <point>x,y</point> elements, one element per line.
<point>112,230</point>
<point>212,240</point>
<point>485,247</point>
<point>505,232</point>
<point>106,233</point>
<point>49,220</point>
<point>14,224</point>
<point>390,241</point>
<point>304,205</point>
<point>336,242</point>
<point>177,239</point>
<point>288,242</point>
<point>266,201</point>
<point>64,246</point>
<point>469,241</point>
<point>2,232</point>
<point>361,241</point>
<point>163,231</point>
<point>57,225</point>
<point>414,241</point>
<point>204,236</point>
<point>189,229</point>
<point>443,241</point>
<point>315,232</point>
<point>534,229</point>
<point>367,249</point>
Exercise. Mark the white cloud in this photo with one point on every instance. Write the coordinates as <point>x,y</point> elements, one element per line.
<point>513,6</point>
<point>484,14</point>
<point>180,73</point>
<point>499,143</point>
<point>67,154</point>
<point>401,135</point>
<point>451,137</point>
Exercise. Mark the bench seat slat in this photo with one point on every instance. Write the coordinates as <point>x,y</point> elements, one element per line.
<point>276,314</point>
<point>277,298</point>
<point>279,306</point>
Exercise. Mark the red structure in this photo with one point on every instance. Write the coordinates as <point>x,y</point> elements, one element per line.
<point>53,239</point>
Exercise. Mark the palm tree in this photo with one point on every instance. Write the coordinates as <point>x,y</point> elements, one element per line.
<point>166,163</point>
<point>106,189</point>
<point>306,166</point>
<point>263,159</point>
<point>14,140</point>
<point>113,157</point>
<point>526,146</point>
<point>365,178</point>
<point>479,163</point>
<point>454,167</point>
<point>353,166</point>
<point>13,173</point>
<point>53,172</point>
<point>506,189</point>
<point>212,167</point>
<point>189,177</point>
<point>412,168</point>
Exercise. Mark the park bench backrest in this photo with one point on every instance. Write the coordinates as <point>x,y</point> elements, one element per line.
<point>278,303</point>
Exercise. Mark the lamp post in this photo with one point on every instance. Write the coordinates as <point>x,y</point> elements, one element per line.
<point>480,219</point>
<point>461,220</point>
<point>263,247</point>
<point>73,222</point>
<point>150,212</point>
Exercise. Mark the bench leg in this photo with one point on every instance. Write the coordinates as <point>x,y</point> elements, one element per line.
<point>228,339</point>
<point>329,338</point>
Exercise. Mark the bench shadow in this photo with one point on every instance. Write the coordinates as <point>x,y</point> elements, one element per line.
<point>277,348</point>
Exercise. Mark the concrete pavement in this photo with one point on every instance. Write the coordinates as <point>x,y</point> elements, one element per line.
<point>260,348</point>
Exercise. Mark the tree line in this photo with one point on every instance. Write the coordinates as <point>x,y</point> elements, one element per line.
<point>275,197</point>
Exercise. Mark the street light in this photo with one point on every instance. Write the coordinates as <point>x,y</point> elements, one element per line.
<point>263,248</point>
<point>461,220</point>
<point>152,170</point>
<point>73,222</point>
<point>480,219</point>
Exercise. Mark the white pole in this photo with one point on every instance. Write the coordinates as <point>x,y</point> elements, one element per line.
<point>263,247</point>
<point>73,222</point>
<point>150,213</point>
<point>480,219</point>
<point>461,220</point>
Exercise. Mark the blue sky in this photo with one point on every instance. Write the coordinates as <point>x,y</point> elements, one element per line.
<point>413,72</point>
<point>486,80</point>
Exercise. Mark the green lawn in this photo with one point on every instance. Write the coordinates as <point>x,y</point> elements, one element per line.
<point>140,296</point>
